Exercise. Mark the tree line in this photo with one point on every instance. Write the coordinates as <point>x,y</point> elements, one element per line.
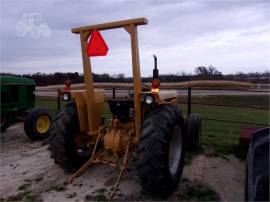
<point>200,73</point>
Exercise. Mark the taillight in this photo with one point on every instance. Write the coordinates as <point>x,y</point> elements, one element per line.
<point>155,86</point>
<point>155,90</point>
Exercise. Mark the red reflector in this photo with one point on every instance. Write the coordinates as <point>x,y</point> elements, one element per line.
<point>97,46</point>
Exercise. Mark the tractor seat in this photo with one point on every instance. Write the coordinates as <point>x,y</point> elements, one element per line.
<point>121,108</point>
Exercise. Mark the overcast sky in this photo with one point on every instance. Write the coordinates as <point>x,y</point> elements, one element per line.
<point>231,35</point>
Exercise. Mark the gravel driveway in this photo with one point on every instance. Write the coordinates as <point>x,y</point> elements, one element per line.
<point>27,173</point>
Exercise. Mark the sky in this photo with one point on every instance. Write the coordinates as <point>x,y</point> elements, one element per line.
<point>231,35</point>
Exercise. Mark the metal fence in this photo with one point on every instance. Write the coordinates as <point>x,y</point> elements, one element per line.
<point>221,121</point>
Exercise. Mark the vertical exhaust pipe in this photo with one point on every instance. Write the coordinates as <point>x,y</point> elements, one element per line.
<point>155,70</point>
<point>155,80</point>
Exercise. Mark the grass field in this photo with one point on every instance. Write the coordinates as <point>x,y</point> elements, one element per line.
<point>248,101</point>
<point>223,137</point>
<point>219,137</point>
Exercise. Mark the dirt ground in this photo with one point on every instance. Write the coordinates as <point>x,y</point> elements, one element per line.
<point>28,174</point>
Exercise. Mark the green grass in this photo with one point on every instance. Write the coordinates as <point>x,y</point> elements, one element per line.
<point>24,187</point>
<point>48,103</point>
<point>24,194</point>
<point>259,101</point>
<point>194,191</point>
<point>233,114</point>
<point>220,137</point>
<point>223,137</point>
<point>98,195</point>
<point>58,188</point>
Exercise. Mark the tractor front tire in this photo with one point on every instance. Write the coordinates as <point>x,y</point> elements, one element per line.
<point>37,124</point>
<point>63,147</point>
<point>192,132</point>
<point>161,150</point>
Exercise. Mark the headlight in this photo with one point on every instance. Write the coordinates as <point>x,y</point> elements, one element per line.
<point>148,99</point>
<point>66,96</point>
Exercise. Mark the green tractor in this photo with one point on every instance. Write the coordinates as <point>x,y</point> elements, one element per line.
<point>17,104</point>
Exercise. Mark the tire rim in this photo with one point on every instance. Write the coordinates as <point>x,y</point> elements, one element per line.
<point>84,152</point>
<point>43,124</point>
<point>175,150</point>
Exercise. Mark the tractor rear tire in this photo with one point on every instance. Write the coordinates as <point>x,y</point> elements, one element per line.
<point>37,124</point>
<point>192,132</point>
<point>161,150</point>
<point>63,147</point>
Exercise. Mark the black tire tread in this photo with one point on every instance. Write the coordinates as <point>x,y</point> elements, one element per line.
<point>152,151</point>
<point>192,131</point>
<point>257,167</point>
<point>61,140</point>
<point>30,123</point>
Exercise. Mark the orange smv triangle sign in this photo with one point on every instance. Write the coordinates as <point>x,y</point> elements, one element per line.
<point>96,45</point>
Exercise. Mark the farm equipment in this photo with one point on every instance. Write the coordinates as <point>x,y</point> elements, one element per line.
<point>17,104</point>
<point>257,166</point>
<point>147,122</point>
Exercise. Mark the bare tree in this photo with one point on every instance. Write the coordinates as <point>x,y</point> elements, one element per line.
<point>207,71</point>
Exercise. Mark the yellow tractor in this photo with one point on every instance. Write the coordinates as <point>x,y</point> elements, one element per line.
<point>148,122</point>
